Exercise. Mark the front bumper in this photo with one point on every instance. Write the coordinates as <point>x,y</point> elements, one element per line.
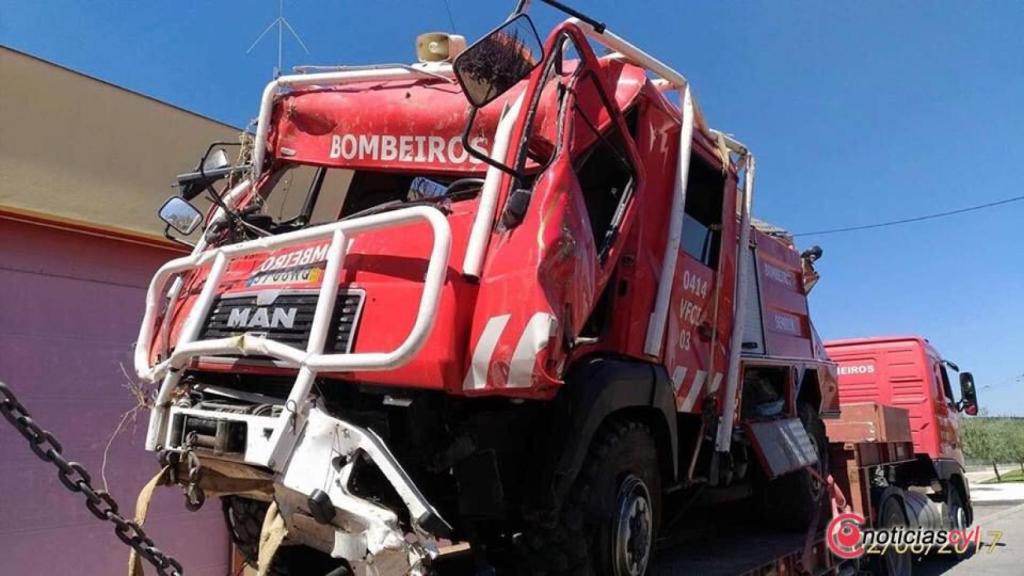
<point>315,495</point>
<point>361,531</point>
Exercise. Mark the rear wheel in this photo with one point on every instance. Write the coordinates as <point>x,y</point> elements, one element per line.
<point>608,522</point>
<point>793,500</point>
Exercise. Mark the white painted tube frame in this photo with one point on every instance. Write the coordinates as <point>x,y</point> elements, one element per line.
<point>309,361</point>
<point>472,263</point>
<point>663,298</point>
<point>723,436</point>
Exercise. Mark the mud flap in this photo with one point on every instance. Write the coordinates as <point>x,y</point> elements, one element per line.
<point>782,446</point>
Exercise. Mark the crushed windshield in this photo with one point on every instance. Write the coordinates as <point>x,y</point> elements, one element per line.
<point>301,195</point>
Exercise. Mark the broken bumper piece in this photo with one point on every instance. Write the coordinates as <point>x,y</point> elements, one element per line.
<point>316,499</point>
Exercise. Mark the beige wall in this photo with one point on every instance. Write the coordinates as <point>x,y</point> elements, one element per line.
<point>76,148</point>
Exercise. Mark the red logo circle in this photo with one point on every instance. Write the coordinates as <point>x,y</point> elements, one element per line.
<point>843,536</point>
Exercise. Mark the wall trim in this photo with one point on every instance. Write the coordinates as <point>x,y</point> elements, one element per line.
<point>80,227</point>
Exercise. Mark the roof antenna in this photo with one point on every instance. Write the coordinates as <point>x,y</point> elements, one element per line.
<point>281,22</point>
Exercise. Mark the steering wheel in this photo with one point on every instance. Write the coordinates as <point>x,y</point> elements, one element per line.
<point>462,183</point>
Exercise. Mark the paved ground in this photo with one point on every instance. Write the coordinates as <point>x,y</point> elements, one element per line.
<point>998,508</point>
<point>997,493</point>
<point>1001,554</point>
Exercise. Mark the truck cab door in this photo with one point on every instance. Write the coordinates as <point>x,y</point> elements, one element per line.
<point>700,314</point>
<point>598,168</point>
<point>561,230</point>
<point>947,415</point>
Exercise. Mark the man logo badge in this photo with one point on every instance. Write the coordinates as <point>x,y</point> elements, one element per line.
<point>262,317</point>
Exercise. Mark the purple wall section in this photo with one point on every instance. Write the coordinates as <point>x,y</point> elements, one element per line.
<point>70,304</point>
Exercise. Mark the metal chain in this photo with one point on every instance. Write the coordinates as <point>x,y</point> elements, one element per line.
<point>194,495</point>
<point>75,478</point>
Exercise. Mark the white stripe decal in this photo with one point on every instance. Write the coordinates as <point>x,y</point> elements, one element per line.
<point>691,394</point>
<point>535,337</point>
<point>715,383</point>
<point>476,378</point>
<point>677,378</point>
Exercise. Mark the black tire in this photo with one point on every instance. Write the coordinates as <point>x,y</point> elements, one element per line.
<point>922,512</point>
<point>608,522</point>
<point>244,518</point>
<point>957,514</point>
<point>791,501</point>
<point>892,514</point>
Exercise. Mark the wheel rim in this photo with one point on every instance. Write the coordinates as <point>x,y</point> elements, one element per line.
<point>957,516</point>
<point>634,528</point>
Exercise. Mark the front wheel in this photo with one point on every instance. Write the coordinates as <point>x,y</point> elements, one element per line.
<point>631,530</point>
<point>956,512</point>
<point>608,522</point>
<point>244,518</point>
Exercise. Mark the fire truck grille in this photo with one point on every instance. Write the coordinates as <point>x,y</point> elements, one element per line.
<point>287,320</point>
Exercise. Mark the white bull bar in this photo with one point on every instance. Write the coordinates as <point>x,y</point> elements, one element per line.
<point>273,452</point>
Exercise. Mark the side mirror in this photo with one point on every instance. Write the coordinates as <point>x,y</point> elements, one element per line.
<point>217,159</point>
<point>968,394</point>
<point>499,60</point>
<point>213,166</point>
<point>180,215</point>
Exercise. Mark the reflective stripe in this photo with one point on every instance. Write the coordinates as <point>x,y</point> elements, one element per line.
<point>692,393</point>
<point>715,383</point>
<point>677,378</point>
<point>476,378</point>
<point>535,337</point>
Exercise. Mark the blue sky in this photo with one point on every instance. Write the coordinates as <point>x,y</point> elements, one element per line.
<point>858,112</point>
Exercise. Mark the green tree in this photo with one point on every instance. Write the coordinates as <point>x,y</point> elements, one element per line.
<point>982,442</point>
<point>1015,441</point>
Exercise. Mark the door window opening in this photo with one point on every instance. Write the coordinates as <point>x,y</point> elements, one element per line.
<point>702,220</point>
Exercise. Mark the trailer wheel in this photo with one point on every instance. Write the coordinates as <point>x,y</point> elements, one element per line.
<point>792,501</point>
<point>609,520</point>
<point>891,515</point>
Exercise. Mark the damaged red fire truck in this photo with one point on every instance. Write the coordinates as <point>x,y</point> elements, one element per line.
<point>538,325</point>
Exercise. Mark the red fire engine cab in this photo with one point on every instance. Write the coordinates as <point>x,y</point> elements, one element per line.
<point>527,323</point>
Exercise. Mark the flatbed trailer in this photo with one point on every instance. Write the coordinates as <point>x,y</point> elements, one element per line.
<point>867,442</point>
<point>749,551</point>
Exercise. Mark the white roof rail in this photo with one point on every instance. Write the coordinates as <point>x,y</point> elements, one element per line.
<point>345,75</point>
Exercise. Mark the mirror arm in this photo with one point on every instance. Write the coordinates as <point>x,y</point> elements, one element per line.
<point>480,155</point>
<point>523,5</point>
<point>167,234</point>
<point>216,197</point>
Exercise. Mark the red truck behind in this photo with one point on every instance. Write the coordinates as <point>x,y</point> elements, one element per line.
<point>908,372</point>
